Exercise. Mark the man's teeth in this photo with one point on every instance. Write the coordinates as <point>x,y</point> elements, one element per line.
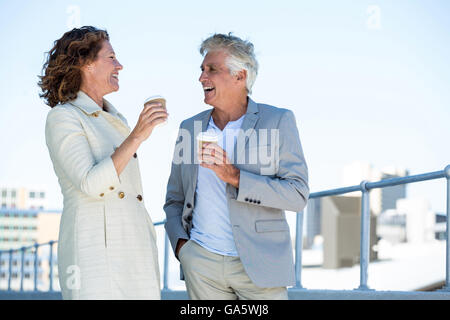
<point>208,88</point>
<point>115,76</point>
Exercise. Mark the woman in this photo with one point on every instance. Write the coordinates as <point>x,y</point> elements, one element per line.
<point>107,242</point>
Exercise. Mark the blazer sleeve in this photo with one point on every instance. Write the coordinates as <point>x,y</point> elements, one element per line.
<point>288,189</point>
<point>70,152</point>
<point>174,204</point>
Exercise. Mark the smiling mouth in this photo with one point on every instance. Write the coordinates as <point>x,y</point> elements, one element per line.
<point>115,76</point>
<point>208,89</point>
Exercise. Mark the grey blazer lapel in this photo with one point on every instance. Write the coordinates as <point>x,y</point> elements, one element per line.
<point>249,123</point>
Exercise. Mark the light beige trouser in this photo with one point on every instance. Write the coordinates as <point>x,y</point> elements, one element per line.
<point>211,276</point>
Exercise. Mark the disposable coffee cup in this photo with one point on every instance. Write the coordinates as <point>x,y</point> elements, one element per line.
<point>205,137</point>
<point>156,99</point>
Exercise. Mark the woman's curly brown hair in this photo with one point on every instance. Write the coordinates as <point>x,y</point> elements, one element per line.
<point>61,78</point>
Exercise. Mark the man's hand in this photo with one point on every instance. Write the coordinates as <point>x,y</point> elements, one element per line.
<point>215,158</point>
<point>180,243</point>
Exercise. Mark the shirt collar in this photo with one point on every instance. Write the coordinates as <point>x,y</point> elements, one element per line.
<point>236,124</point>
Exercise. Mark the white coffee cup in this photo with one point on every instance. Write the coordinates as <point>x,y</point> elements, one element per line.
<point>205,137</point>
<point>155,99</point>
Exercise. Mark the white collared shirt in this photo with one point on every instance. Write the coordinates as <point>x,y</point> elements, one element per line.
<point>211,219</point>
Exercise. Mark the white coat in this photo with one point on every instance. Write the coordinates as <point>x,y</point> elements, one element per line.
<point>107,241</point>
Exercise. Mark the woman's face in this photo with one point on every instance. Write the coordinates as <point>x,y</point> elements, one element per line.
<point>103,73</point>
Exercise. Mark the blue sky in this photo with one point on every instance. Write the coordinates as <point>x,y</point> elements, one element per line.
<point>363,86</point>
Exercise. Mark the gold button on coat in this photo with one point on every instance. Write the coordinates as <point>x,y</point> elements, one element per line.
<point>111,188</point>
<point>139,197</point>
<point>121,195</point>
<point>102,194</point>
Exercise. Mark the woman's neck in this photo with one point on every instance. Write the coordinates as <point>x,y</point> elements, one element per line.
<point>93,94</point>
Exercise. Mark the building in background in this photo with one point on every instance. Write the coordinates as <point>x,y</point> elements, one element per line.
<point>380,199</point>
<point>22,198</point>
<point>341,221</point>
<point>398,218</point>
<point>420,219</point>
<point>24,222</point>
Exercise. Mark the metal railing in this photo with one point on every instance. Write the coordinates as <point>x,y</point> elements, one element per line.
<point>27,252</point>
<point>364,188</point>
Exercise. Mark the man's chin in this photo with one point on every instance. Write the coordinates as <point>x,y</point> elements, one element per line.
<point>208,101</point>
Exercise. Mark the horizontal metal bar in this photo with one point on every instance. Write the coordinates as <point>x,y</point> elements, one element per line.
<point>381,184</point>
<point>404,180</point>
<point>159,223</point>
<point>334,192</point>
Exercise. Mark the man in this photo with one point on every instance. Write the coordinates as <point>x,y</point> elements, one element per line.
<point>225,216</point>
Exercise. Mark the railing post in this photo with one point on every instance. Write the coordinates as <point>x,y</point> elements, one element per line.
<point>298,250</point>
<point>365,236</point>
<point>1,263</point>
<point>166,262</point>
<point>36,262</point>
<point>10,269</point>
<point>51,266</point>
<point>22,262</point>
<point>447,231</point>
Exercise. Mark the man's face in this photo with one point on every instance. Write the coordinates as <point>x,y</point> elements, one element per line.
<point>219,86</point>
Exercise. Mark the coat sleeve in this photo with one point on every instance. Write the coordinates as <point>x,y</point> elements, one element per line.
<point>70,152</point>
<point>174,204</point>
<point>288,189</point>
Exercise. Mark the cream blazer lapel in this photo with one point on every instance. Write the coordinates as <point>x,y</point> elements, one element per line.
<point>116,119</point>
<point>88,106</point>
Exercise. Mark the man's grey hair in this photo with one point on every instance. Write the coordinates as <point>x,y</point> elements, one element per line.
<point>241,55</point>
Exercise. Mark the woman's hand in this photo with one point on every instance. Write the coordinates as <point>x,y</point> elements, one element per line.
<point>152,115</point>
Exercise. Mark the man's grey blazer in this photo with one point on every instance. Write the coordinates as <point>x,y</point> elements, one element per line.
<point>273,178</point>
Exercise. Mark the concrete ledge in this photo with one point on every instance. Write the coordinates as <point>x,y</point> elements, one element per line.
<point>294,294</point>
<point>305,294</point>
<point>30,295</point>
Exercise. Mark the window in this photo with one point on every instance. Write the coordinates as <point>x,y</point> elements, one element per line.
<point>42,195</point>
<point>32,194</point>
<point>13,194</point>
<point>4,193</point>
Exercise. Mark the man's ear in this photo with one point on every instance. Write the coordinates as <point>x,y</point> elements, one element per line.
<point>242,75</point>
